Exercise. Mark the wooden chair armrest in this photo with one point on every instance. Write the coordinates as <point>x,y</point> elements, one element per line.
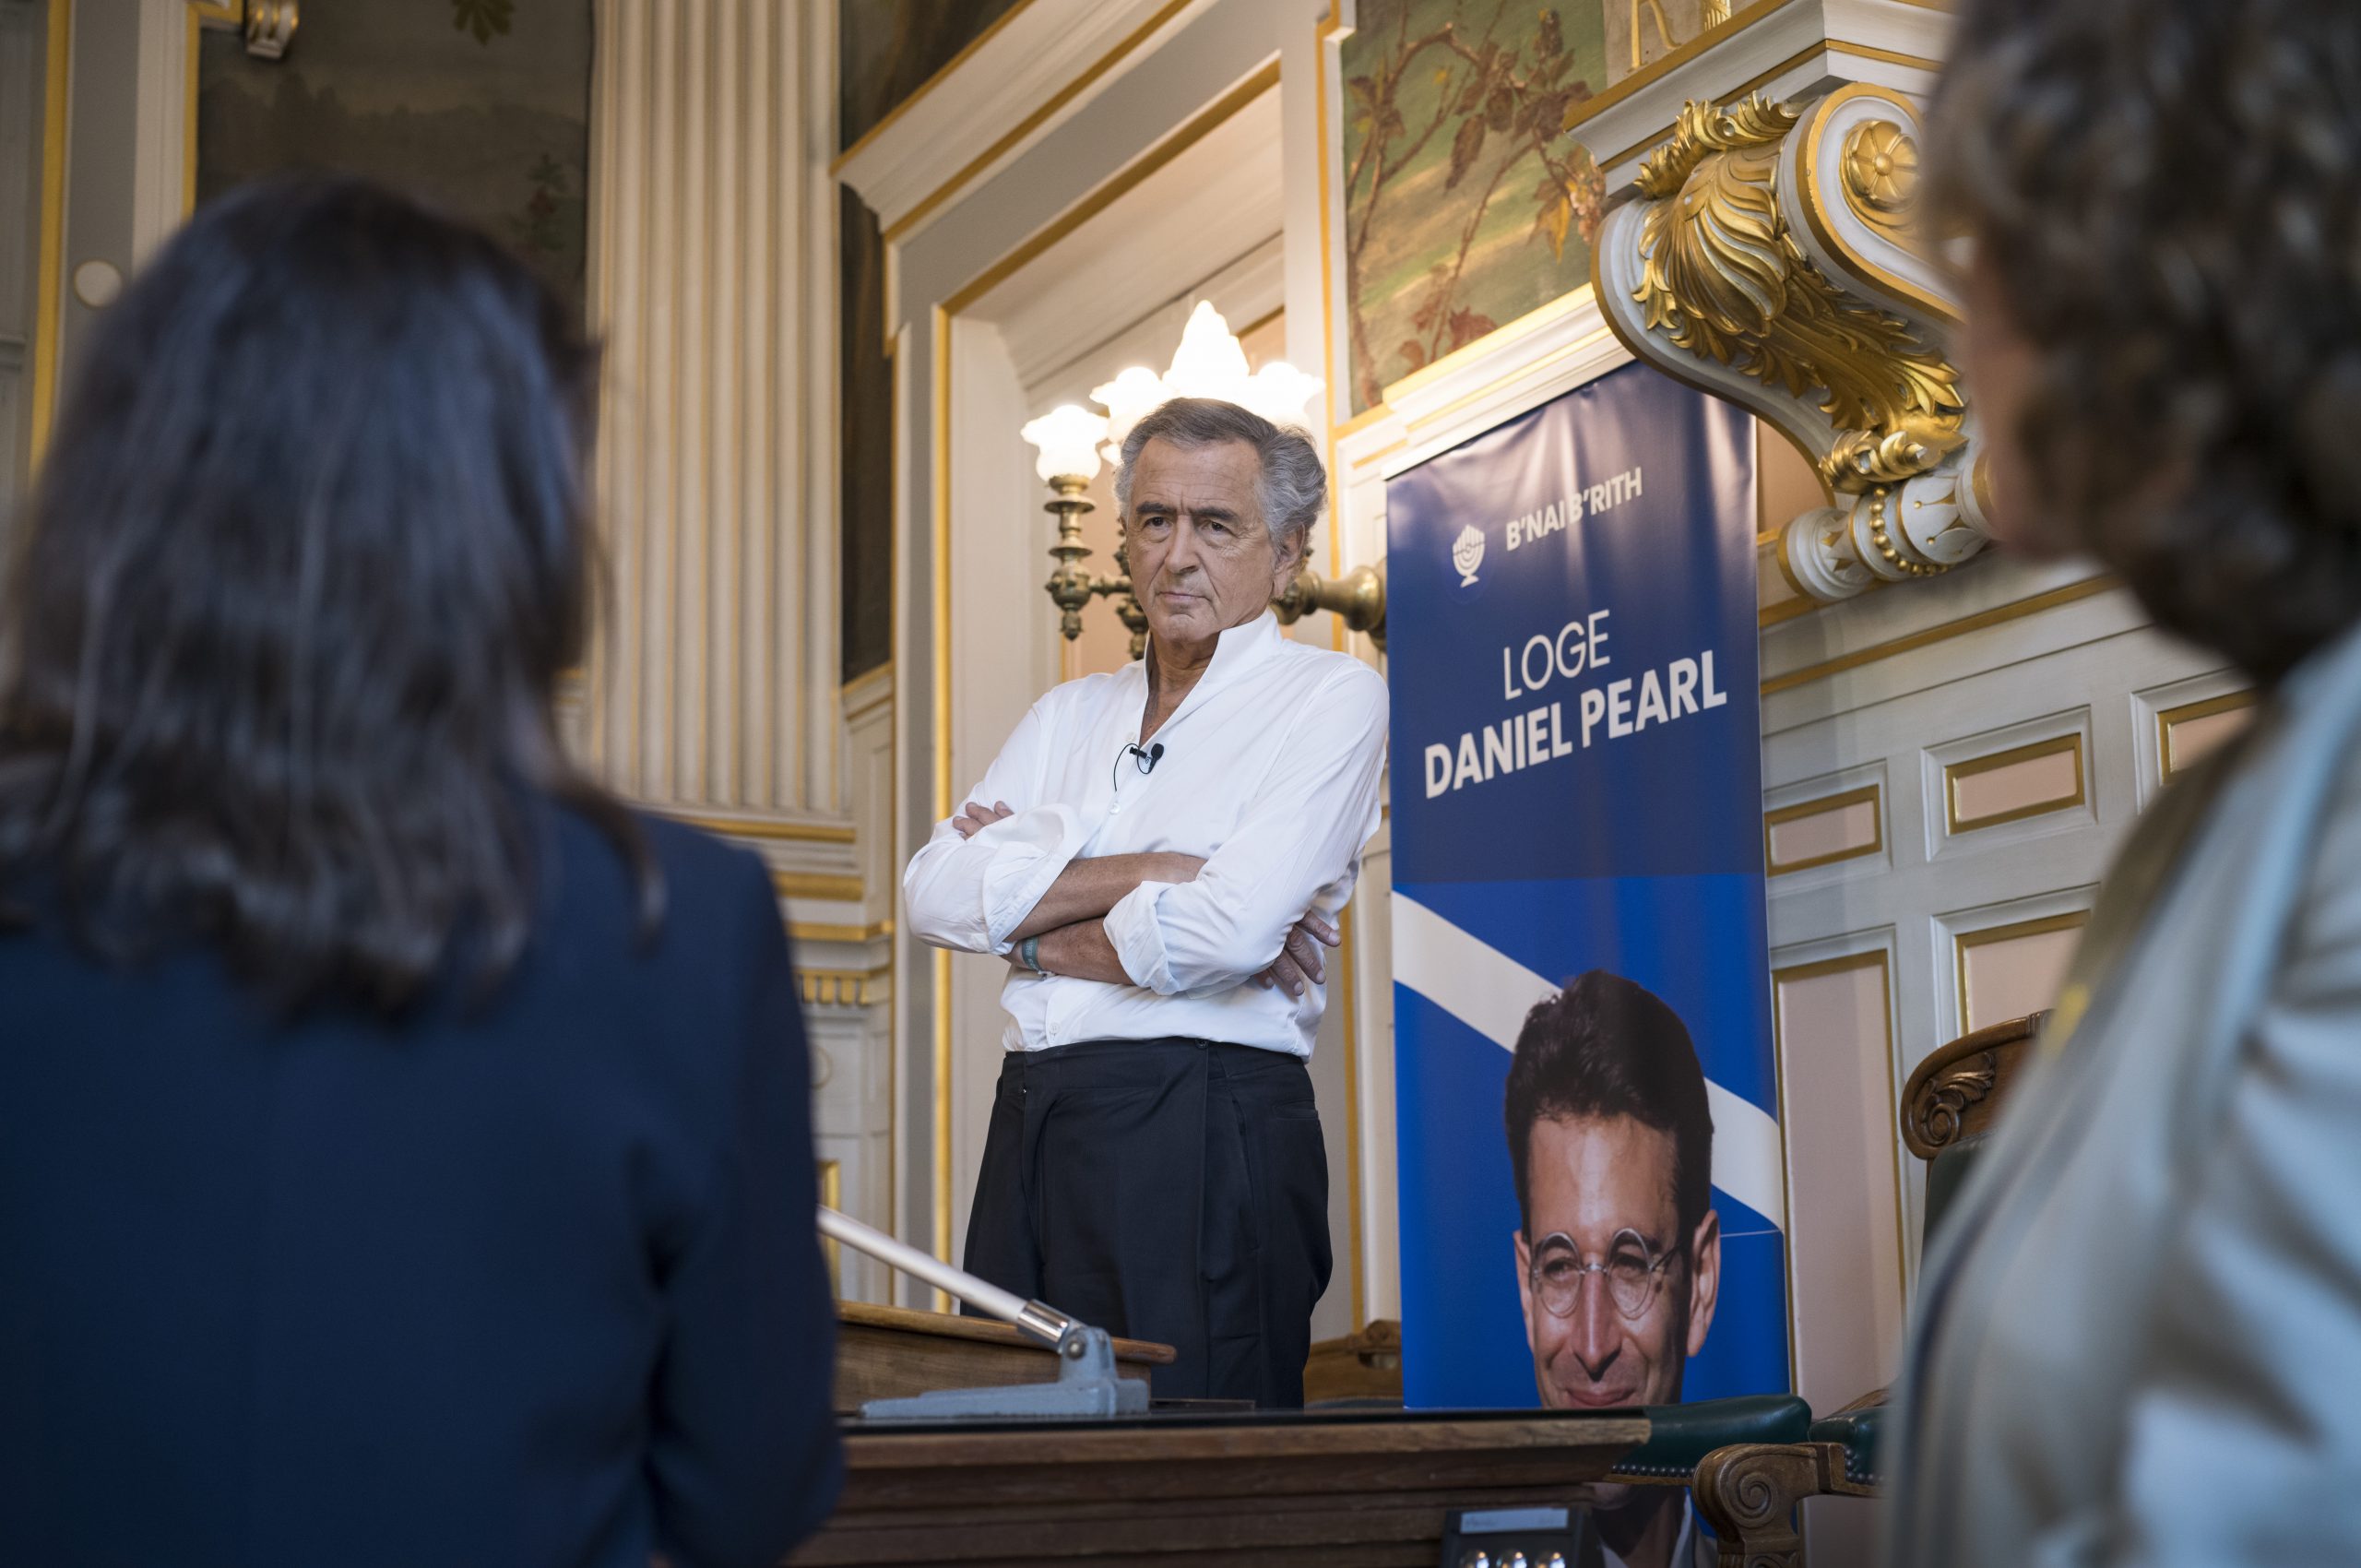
<point>1747,1491</point>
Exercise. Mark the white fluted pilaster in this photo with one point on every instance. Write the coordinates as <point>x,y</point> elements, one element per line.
<point>714,687</point>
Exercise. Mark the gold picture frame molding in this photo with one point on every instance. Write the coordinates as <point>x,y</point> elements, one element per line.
<point>2033,751</point>
<point>1871,795</point>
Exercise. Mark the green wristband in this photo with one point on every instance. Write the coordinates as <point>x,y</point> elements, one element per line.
<point>1028,953</point>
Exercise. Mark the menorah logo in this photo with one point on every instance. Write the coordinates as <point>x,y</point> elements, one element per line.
<point>1467,553</point>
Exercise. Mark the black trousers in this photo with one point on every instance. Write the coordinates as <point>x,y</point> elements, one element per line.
<point>1172,1190</point>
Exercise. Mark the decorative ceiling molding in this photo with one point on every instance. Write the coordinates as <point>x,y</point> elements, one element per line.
<point>1025,80</point>
<point>1763,260</point>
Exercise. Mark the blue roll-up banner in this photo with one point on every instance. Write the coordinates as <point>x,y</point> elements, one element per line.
<point>1578,893</point>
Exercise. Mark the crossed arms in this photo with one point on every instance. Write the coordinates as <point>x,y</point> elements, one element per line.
<point>1254,908</point>
<point>1070,917</point>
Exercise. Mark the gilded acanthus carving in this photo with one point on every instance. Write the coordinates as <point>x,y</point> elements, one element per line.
<point>1723,277</point>
<point>1759,264</point>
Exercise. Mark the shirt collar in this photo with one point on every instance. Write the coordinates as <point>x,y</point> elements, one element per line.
<point>1239,649</point>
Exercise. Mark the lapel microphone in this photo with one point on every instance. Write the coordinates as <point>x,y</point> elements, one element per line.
<point>1143,758</point>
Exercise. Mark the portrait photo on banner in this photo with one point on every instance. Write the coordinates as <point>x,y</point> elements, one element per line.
<point>1591,1188</point>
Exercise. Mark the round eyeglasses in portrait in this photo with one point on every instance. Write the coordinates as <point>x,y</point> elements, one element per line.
<point>1632,1269</point>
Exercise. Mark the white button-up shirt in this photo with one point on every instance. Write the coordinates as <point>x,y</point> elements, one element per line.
<point>1270,772</point>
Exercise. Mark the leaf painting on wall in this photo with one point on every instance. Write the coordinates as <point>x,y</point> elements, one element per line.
<point>1465,204</point>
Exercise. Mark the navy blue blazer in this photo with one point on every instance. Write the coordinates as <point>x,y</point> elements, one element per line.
<point>532,1285</point>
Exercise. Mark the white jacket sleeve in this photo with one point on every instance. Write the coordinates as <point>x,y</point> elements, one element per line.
<point>1302,833</point>
<point>968,894</point>
<point>2247,1380</point>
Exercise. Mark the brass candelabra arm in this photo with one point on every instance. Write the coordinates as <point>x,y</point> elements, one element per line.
<point>1357,596</point>
<point>1071,586</point>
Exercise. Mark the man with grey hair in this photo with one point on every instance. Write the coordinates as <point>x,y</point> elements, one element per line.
<point>1161,854</point>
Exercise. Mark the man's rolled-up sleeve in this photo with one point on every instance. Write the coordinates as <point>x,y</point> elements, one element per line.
<point>968,894</point>
<point>1302,832</point>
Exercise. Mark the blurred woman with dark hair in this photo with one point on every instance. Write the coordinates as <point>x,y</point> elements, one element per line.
<point>405,1151</point>
<point>2138,1335</point>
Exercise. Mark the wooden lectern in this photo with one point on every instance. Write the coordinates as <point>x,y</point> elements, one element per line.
<point>892,1353</point>
<point>1366,1488</point>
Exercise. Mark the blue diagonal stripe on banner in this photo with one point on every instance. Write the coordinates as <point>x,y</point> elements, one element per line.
<point>1491,992</point>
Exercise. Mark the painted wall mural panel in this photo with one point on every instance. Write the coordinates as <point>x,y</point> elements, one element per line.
<point>1465,206</point>
<point>482,105</point>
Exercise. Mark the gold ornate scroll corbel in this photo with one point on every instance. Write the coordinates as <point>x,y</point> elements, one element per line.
<point>1765,256</point>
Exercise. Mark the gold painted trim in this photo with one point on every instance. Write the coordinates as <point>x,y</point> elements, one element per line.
<point>1665,64</point>
<point>1894,1097</point>
<point>751,827</point>
<point>1998,615</point>
<point>202,15</point>
<point>876,671</point>
<point>1814,203</point>
<point>1492,387</point>
<point>1260,322</point>
<point>1976,768</point>
<point>1365,458</point>
<point>1108,191</point>
<point>1032,122</point>
<point>897,1119</point>
<point>942,1117</point>
<point>830,1180</point>
<point>48,318</point>
<point>1341,639</point>
<point>1346,924</point>
<point>1800,57</point>
<point>1965,941</point>
<point>940,591</point>
<point>1891,56</point>
<point>1789,610</point>
<point>1870,793</point>
<point>1498,337</point>
<point>824,931</point>
<point>818,885</point>
<point>1373,414</point>
<point>2168,719</point>
<point>189,118</point>
<point>886,121</point>
<point>839,988</point>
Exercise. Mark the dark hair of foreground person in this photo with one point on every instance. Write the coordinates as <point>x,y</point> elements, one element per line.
<point>383,1182</point>
<point>302,570</point>
<point>2159,191</point>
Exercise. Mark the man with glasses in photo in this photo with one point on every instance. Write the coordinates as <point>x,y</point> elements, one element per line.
<point>1611,1142</point>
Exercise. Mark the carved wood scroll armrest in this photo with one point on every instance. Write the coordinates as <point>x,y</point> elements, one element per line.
<point>1954,1091</point>
<point>1749,1491</point>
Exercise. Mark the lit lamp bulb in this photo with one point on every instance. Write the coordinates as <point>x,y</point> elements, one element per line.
<point>1209,362</point>
<point>1128,398</point>
<point>1278,392</point>
<point>1068,438</point>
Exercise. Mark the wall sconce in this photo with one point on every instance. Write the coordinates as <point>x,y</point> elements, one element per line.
<point>1073,442</point>
<point>1068,439</point>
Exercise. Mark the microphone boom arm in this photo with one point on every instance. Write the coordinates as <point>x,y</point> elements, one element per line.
<point>1037,1319</point>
